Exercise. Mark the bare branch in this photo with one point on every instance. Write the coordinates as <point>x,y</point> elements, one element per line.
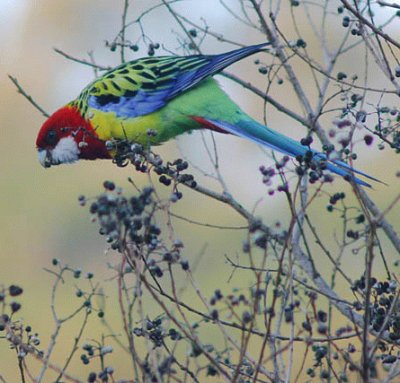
<point>27,96</point>
<point>81,61</point>
<point>369,24</point>
<point>386,4</point>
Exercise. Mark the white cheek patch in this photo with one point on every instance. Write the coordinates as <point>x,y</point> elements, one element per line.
<point>66,151</point>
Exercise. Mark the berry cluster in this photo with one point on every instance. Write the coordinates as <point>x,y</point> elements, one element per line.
<point>144,161</point>
<point>383,317</point>
<point>129,224</point>
<point>95,351</point>
<point>123,219</point>
<point>155,332</point>
<point>20,337</point>
<point>113,45</point>
<point>308,163</point>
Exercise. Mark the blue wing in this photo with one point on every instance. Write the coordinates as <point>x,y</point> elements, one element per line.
<point>145,85</point>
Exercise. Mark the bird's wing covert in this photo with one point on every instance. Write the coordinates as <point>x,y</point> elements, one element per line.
<point>145,85</point>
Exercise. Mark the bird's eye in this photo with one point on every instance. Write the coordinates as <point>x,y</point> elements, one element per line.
<point>51,137</point>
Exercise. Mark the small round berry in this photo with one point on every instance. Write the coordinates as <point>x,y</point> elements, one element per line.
<point>184,264</point>
<point>109,185</point>
<point>246,317</point>
<point>263,69</point>
<point>15,290</point>
<point>368,139</point>
<point>92,377</point>
<point>15,306</point>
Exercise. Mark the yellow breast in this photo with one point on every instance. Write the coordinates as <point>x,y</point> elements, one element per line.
<point>139,129</point>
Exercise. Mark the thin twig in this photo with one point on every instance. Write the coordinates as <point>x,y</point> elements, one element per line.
<point>386,4</point>
<point>27,96</point>
<point>123,29</point>
<point>81,61</point>
<point>369,24</point>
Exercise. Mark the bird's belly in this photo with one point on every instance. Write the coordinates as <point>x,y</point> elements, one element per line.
<point>151,129</point>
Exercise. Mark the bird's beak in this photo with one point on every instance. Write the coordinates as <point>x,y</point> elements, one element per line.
<point>45,158</point>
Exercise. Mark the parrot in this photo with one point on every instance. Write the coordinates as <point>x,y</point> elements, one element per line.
<point>167,96</point>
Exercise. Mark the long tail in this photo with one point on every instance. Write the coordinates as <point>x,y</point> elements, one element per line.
<point>264,136</point>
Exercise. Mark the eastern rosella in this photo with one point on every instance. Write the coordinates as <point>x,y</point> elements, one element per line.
<point>168,95</point>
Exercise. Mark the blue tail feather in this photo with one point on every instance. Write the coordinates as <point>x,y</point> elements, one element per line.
<point>264,136</point>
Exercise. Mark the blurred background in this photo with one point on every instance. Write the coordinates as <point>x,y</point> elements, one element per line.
<point>40,217</point>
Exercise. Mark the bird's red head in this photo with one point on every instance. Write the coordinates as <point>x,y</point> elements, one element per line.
<point>66,137</point>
